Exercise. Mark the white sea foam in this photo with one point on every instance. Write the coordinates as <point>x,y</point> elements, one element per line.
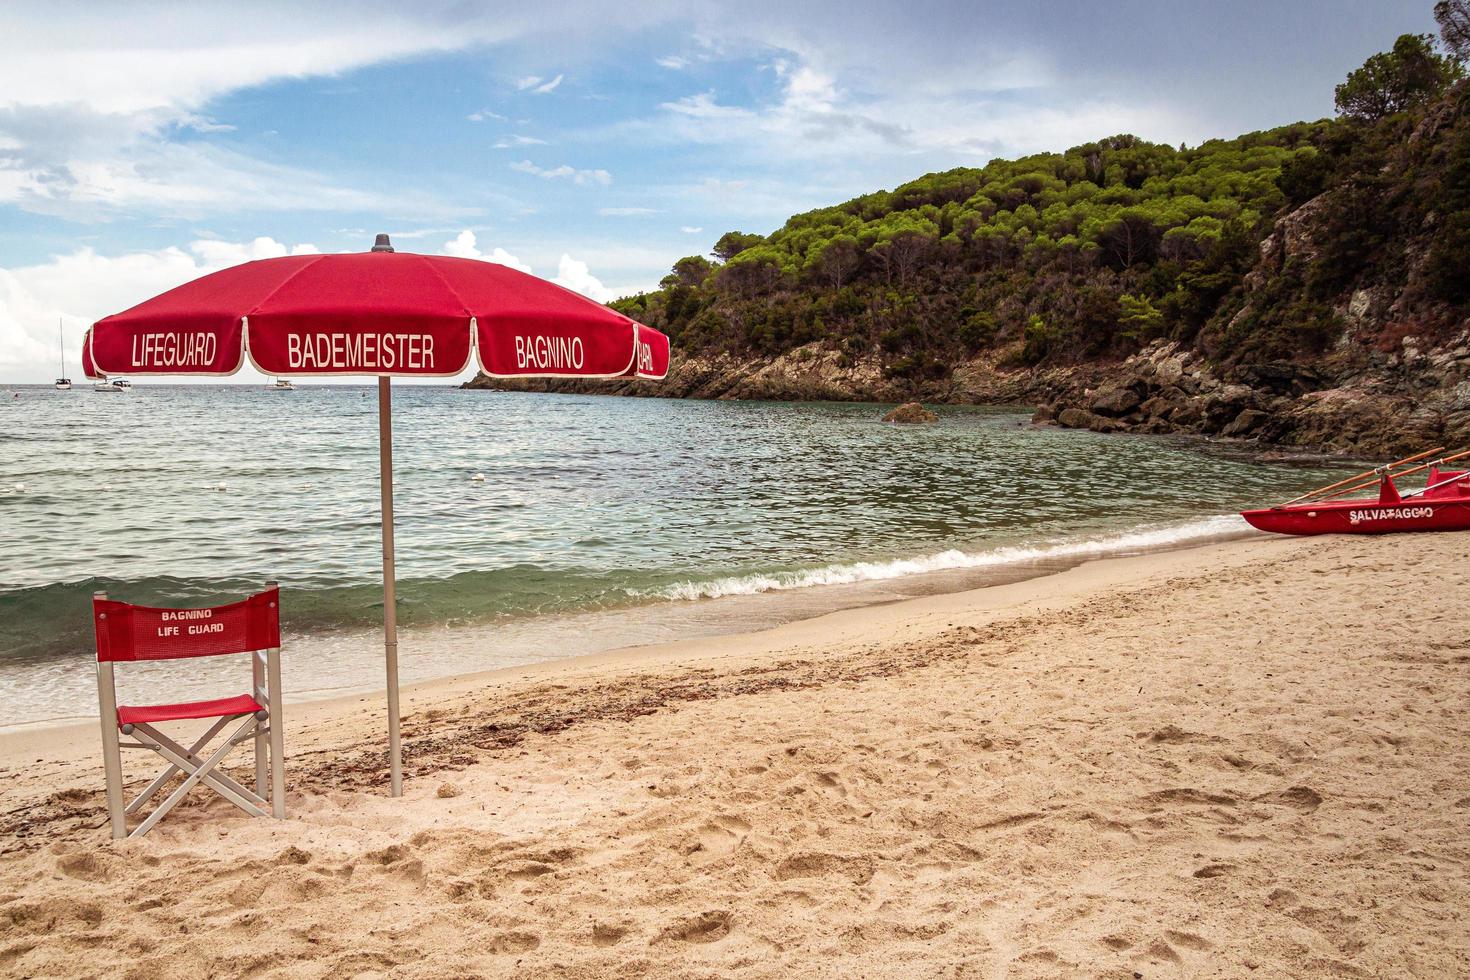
<point>1142,539</point>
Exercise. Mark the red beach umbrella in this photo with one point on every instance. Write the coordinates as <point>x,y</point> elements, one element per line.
<point>382,314</point>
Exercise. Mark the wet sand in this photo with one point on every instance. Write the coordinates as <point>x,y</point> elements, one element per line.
<point>1248,759</point>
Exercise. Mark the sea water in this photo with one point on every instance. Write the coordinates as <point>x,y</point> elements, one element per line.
<point>599,522</point>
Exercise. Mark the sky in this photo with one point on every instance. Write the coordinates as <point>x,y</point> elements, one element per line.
<point>143,145</point>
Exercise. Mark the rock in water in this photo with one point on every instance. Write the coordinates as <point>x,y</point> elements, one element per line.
<point>1116,401</point>
<point>911,413</point>
<point>1075,418</point>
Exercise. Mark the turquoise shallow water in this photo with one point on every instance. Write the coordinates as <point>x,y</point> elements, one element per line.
<point>188,494</point>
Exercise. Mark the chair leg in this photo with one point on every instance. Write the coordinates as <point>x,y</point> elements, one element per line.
<point>277,736</point>
<point>262,761</point>
<point>262,758</point>
<point>111,751</point>
<point>112,764</point>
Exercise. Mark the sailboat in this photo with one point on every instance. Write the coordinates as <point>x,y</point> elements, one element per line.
<point>63,383</point>
<point>282,384</point>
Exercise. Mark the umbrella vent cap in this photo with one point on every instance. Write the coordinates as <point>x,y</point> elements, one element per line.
<point>382,244</point>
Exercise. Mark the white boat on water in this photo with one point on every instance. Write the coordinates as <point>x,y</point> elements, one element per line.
<point>63,383</point>
<point>112,385</point>
<point>282,384</point>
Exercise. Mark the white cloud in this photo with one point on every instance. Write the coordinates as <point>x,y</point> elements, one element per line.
<point>812,116</point>
<point>83,286</point>
<point>570,273</point>
<point>626,212</point>
<point>203,124</point>
<point>564,172</point>
<point>75,162</point>
<point>703,106</point>
<point>518,140</point>
<point>222,254</point>
<point>831,105</point>
<point>574,275</point>
<point>690,229</point>
<point>181,180</point>
<point>24,321</point>
<point>537,85</point>
<point>93,101</point>
<point>465,246</point>
<point>807,89</point>
<point>143,59</point>
<point>480,115</point>
<point>673,62</point>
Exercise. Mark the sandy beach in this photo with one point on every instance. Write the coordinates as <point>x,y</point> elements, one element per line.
<point>1249,759</point>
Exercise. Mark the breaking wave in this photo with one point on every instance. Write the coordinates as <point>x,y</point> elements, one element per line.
<point>1142,539</point>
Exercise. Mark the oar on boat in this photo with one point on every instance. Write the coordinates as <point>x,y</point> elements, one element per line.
<point>1442,483</point>
<point>1402,473</point>
<point>1375,473</point>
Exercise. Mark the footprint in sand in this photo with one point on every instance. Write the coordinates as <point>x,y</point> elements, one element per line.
<point>1302,798</point>
<point>389,855</point>
<point>1189,796</point>
<point>816,864</point>
<point>1337,927</point>
<point>513,942</point>
<point>1161,952</point>
<point>733,824</point>
<point>88,866</point>
<point>1174,735</point>
<point>1214,870</point>
<point>707,927</point>
<point>830,783</point>
<point>527,870</point>
<point>44,917</point>
<point>399,860</point>
<point>608,934</point>
<point>1188,940</point>
<point>709,842</point>
<point>1281,898</point>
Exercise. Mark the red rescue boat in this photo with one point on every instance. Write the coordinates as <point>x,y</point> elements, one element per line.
<point>1442,504</point>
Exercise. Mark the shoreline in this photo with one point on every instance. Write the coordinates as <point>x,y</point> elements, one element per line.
<point>840,626</point>
<point>705,617</point>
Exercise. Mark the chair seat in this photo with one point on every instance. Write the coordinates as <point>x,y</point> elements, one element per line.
<point>244,704</point>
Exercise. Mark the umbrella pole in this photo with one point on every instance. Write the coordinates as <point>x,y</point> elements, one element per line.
<point>390,605</point>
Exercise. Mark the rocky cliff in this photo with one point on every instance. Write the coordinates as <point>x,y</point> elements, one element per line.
<point>816,373</point>
<point>1416,398</point>
<point>1399,402</point>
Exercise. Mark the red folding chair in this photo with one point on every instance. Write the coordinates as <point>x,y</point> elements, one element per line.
<point>130,633</point>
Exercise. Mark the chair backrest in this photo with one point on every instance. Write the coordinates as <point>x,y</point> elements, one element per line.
<point>128,632</point>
